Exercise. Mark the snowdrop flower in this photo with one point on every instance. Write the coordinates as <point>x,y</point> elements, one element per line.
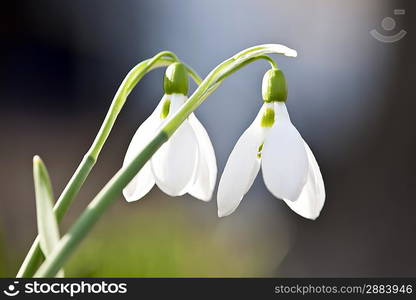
<point>289,168</point>
<point>186,162</point>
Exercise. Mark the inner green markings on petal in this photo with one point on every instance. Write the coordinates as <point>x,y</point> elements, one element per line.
<point>165,109</point>
<point>259,150</point>
<point>267,119</point>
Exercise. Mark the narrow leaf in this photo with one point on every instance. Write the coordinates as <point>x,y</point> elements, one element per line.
<point>47,223</point>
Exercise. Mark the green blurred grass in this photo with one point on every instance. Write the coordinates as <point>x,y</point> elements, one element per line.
<point>167,238</point>
<point>162,245</point>
<point>3,260</point>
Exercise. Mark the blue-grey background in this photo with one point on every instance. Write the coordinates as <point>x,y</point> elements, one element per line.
<point>351,97</point>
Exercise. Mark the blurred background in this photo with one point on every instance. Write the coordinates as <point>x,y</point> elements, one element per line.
<point>350,95</point>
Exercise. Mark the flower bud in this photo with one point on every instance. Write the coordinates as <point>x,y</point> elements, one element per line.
<point>176,79</point>
<point>274,86</point>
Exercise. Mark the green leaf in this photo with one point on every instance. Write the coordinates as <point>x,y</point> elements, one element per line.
<point>47,223</point>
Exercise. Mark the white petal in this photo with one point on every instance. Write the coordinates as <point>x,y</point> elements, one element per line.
<point>312,198</point>
<point>284,159</point>
<point>174,164</point>
<point>143,182</point>
<point>206,173</point>
<point>241,169</point>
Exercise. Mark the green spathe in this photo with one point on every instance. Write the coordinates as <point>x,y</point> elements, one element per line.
<point>274,86</point>
<point>176,79</point>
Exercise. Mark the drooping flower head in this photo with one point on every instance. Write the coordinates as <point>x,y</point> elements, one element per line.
<point>289,168</point>
<point>186,162</point>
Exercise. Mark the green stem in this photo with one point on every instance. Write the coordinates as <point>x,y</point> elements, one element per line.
<point>165,58</point>
<point>97,207</point>
<point>114,187</point>
<point>249,61</point>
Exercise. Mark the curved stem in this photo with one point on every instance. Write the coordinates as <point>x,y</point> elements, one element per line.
<point>165,58</point>
<point>114,187</point>
<point>194,75</point>
<point>219,73</point>
<point>247,62</point>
